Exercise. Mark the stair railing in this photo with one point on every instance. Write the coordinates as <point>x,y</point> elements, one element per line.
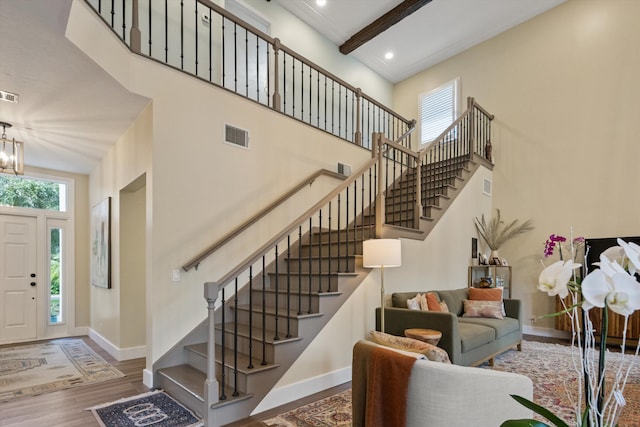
<point>468,135</point>
<point>202,39</point>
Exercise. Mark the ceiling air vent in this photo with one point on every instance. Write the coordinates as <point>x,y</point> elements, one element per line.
<point>8,96</point>
<point>236,136</point>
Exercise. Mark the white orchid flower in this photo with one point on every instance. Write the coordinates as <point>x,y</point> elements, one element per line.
<point>620,291</point>
<point>554,278</point>
<point>632,251</point>
<point>614,253</point>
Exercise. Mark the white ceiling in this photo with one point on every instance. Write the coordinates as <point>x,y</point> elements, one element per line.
<point>437,31</point>
<point>70,112</point>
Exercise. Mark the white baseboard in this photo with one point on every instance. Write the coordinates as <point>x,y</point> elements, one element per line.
<point>118,353</point>
<point>281,395</point>
<point>147,378</point>
<point>545,332</point>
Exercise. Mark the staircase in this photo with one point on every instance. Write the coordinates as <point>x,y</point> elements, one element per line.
<point>263,327</point>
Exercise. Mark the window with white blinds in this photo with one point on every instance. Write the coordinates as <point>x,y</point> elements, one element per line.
<point>438,109</point>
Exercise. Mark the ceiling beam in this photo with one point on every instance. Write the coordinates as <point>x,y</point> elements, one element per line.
<point>383,23</point>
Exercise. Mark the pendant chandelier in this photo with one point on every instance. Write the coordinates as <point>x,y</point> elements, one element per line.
<point>11,153</point>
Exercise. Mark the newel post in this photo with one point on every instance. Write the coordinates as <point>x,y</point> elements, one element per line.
<point>276,75</point>
<point>136,37</point>
<point>472,125</point>
<point>211,386</point>
<point>358,134</point>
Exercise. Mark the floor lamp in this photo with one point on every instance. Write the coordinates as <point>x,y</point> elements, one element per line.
<point>381,253</point>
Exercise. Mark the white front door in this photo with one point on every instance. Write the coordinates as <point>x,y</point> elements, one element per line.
<point>18,281</point>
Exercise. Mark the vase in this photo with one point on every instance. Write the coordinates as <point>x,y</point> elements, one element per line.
<point>494,258</point>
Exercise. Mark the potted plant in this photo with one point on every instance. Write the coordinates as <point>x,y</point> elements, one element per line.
<point>496,232</point>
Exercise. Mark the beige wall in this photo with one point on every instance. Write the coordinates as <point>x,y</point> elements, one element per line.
<point>111,310</point>
<point>564,89</point>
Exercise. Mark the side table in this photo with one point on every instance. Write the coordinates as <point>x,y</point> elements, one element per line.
<point>430,336</point>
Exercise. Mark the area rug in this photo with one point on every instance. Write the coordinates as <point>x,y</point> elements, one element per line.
<point>548,365</point>
<point>155,409</point>
<point>55,365</point>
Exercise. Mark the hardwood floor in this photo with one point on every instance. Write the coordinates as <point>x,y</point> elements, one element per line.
<point>67,407</point>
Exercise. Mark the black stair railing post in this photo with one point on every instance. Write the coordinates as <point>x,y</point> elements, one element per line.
<point>211,386</point>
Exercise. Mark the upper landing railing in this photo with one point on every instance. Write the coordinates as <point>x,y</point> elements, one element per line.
<point>206,41</point>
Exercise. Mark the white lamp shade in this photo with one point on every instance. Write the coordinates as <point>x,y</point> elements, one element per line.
<point>381,253</point>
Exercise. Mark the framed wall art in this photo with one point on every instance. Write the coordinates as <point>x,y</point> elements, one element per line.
<point>101,244</point>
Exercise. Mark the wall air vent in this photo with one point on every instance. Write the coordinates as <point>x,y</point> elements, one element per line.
<point>236,136</point>
<point>344,169</point>
<point>486,186</point>
<point>8,96</point>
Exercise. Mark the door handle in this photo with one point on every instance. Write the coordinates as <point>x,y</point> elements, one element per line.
<point>33,283</point>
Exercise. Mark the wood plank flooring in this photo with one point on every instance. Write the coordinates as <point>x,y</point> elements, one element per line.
<point>67,407</point>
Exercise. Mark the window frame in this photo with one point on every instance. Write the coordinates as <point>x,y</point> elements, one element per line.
<point>454,100</point>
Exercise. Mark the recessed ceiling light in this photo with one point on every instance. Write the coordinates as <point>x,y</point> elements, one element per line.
<point>388,55</point>
<point>321,2</point>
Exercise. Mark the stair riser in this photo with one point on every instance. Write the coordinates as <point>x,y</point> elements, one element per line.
<point>270,322</point>
<point>322,265</point>
<point>350,248</point>
<point>363,227</point>
<point>296,303</point>
<point>304,283</point>
<point>243,345</point>
<point>187,399</point>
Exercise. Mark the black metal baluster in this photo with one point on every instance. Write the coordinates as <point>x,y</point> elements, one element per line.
<point>288,287</point>
<point>339,231</point>
<point>258,68</point>
<point>246,63</point>
<point>318,99</point>
<point>284,82</point>
<point>210,48</point>
<point>149,18</point>
<point>264,312</point>
<point>339,110</point>
<point>224,54</point>
<point>113,13</point>
<point>333,104</point>
<point>299,269</point>
<point>235,341</point>
<point>223,374</point>
<point>250,366</point>
<point>301,90</point>
<point>330,270</point>
<point>325,102</point>
<point>276,337</point>
<point>362,208</point>
<point>235,57</point>
<point>166,31</point>
<point>124,21</point>
<point>196,27</point>
<point>310,94</point>
<point>181,35</point>
<point>346,223</point>
<point>320,251</point>
<point>310,275</point>
<point>293,81</point>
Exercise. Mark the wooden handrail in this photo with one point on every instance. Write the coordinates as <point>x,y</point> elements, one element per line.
<point>249,222</point>
<point>251,259</point>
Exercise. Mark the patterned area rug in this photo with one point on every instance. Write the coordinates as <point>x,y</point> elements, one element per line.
<point>549,366</point>
<point>55,365</point>
<point>155,408</point>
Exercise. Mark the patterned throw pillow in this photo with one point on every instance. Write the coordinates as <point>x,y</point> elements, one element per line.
<point>433,353</point>
<point>477,308</point>
<point>487,294</point>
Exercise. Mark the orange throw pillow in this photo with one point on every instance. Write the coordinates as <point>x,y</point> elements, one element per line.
<point>491,294</point>
<point>432,302</point>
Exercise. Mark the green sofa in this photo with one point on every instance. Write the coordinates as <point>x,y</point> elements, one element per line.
<point>468,341</point>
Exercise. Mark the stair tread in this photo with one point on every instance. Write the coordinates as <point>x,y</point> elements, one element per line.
<point>243,359</point>
<point>321,274</point>
<point>187,377</point>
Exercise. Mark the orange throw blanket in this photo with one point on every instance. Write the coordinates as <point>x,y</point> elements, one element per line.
<point>380,386</point>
